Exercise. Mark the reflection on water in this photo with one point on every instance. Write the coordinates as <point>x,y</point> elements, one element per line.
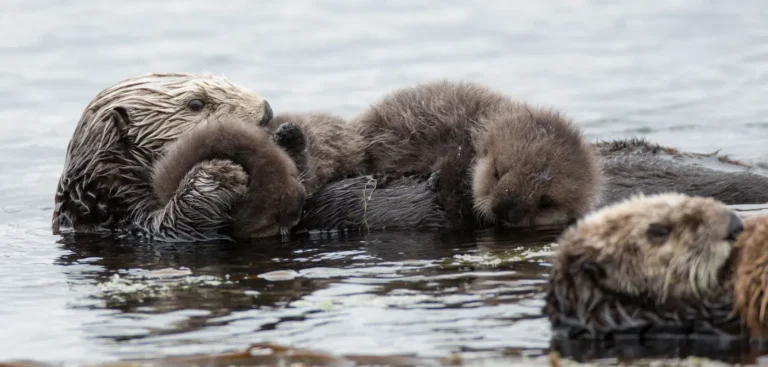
<point>388,293</point>
<point>688,74</point>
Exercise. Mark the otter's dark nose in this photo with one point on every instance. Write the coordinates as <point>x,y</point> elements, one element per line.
<point>509,212</point>
<point>267,118</point>
<point>735,227</point>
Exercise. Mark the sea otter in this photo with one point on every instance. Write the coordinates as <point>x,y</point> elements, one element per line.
<point>644,266</point>
<point>520,165</point>
<point>639,166</point>
<point>229,169</point>
<point>105,183</point>
<point>631,166</point>
<point>324,146</point>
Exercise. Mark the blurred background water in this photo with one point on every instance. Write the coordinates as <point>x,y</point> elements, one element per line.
<point>688,74</point>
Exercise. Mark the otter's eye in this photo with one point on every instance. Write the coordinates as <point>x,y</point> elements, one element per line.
<point>546,202</point>
<point>658,233</point>
<point>195,105</point>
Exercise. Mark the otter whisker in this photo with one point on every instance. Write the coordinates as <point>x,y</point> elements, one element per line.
<point>763,306</point>
<point>693,277</point>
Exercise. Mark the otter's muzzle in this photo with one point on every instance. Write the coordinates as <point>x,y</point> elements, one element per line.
<point>735,226</point>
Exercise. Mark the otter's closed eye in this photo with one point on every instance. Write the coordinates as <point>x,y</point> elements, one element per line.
<point>546,202</point>
<point>658,233</point>
<point>196,105</point>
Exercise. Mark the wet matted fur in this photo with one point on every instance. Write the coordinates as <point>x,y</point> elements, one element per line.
<point>639,166</point>
<point>105,182</point>
<point>643,267</point>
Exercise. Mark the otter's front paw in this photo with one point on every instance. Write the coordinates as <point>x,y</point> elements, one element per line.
<point>217,175</point>
<point>290,137</point>
<point>433,182</point>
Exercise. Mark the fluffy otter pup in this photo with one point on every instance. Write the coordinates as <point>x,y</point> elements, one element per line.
<point>324,147</point>
<point>105,182</point>
<point>225,166</point>
<point>525,166</point>
<point>647,264</point>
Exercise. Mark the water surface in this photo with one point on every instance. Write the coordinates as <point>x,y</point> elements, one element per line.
<point>688,74</point>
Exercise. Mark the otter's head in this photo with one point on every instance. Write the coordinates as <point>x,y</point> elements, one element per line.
<point>534,168</point>
<point>124,130</point>
<point>659,248</point>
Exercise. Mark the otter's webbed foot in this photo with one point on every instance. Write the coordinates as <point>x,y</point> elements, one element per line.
<point>291,138</point>
<point>202,204</point>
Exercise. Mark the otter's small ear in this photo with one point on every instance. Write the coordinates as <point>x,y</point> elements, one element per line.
<point>594,270</point>
<point>121,120</point>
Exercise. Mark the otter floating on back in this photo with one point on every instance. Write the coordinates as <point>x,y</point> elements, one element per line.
<point>646,266</point>
<point>511,162</point>
<point>105,185</point>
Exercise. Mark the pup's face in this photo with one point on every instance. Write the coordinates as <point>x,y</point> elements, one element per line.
<point>667,246</point>
<point>535,169</point>
<point>517,197</point>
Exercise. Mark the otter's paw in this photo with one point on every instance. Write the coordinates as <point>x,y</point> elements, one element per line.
<point>290,137</point>
<point>433,182</point>
<point>217,175</point>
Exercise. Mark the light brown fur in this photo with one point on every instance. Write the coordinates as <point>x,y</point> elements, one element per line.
<point>242,157</point>
<point>751,280</point>
<point>522,165</point>
<point>637,259</point>
<point>332,149</point>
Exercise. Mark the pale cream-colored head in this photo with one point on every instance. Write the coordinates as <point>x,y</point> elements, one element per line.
<point>154,109</point>
<point>127,127</point>
<point>659,247</point>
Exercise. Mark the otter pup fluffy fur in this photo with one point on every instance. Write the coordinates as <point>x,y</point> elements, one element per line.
<point>649,263</point>
<point>230,166</point>
<point>324,146</point>
<point>105,183</point>
<point>519,165</point>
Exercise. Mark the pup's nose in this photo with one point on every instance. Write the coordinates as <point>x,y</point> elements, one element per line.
<point>735,227</point>
<point>509,212</point>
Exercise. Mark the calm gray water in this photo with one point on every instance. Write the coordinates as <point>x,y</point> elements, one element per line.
<point>689,74</point>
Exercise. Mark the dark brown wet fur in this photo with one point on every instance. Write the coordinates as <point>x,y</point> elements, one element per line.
<point>273,196</point>
<point>637,165</point>
<point>324,146</point>
<point>526,165</point>
<point>364,203</point>
<point>398,197</point>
